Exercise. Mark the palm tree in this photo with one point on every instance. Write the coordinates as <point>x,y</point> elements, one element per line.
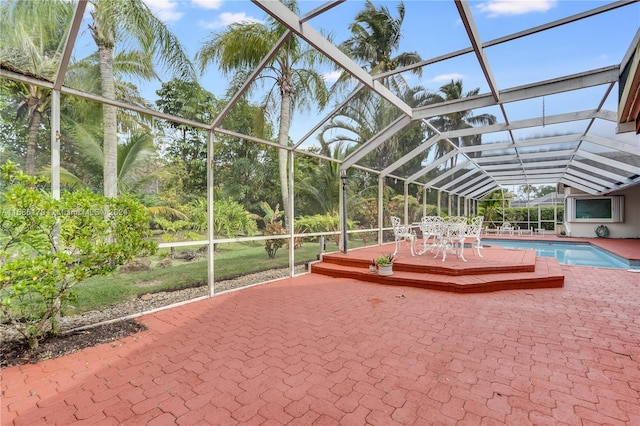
<point>33,45</point>
<point>458,120</point>
<point>134,155</point>
<point>131,20</point>
<point>321,182</point>
<point>375,38</point>
<point>367,115</point>
<point>239,49</point>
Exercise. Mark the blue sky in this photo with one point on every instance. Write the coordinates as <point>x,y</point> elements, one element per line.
<point>433,28</point>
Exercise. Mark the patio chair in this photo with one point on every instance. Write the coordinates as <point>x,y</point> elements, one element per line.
<point>402,233</point>
<point>473,231</point>
<point>452,236</point>
<point>430,227</point>
<point>506,228</point>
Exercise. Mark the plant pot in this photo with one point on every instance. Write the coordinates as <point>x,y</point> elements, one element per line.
<point>385,269</point>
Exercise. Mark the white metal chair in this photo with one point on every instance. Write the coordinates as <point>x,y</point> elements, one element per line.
<point>402,233</point>
<point>430,228</point>
<point>452,236</point>
<point>473,231</point>
<point>506,228</point>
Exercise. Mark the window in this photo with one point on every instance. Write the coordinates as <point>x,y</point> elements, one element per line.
<point>595,209</point>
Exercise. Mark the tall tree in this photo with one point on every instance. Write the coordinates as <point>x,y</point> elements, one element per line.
<point>238,50</point>
<point>117,21</point>
<point>320,185</point>
<point>374,43</point>
<point>367,115</point>
<point>33,44</point>
<point>458,120</point>
<point>375,39</point>
<point>186,146</point>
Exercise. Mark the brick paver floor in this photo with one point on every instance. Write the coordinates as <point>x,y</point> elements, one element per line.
<point>315,350</point>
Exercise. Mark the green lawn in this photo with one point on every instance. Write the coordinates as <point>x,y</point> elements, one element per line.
<point>231,259</point>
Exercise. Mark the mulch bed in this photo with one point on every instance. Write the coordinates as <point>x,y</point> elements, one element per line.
<point>18,352</point>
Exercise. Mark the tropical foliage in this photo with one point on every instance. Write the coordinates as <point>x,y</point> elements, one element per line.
<point>241,47</point>
<point>47,246</point>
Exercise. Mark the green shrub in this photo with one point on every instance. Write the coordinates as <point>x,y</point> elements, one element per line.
<point>328,222</point>
<point>47,246</point>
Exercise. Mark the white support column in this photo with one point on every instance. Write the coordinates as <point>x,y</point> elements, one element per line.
<point>380,209</point>
<point>55,158</point>
<point>424,201</point>
<point>291,225</point>
<point>540,216</point>
<point>210,213</point>
<point>406,203</point>
<point>55,144</point>
<point>555,216</point>
<point>439,203</point>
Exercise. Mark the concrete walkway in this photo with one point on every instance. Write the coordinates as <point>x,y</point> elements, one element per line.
<point>315,350</point>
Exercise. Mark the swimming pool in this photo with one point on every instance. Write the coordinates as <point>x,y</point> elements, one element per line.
<point>581,254</point>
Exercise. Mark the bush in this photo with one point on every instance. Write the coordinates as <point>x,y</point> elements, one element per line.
<point>328,222</point>
<point>47,246</point>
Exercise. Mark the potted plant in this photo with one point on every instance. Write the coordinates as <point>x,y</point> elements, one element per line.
<point>373,266</point>
<point>385,264</point>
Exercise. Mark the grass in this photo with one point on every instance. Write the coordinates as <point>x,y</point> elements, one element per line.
<point>231,259</point>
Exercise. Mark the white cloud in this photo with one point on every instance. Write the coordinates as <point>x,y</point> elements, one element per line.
<point>331,77</point>
<point>447,77</point>
<point>165,10</point>
<point>494,8</point>
<point>227,18</point>
<point>207,4</point>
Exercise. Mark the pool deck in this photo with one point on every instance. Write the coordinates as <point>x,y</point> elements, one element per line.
<point>316,350</point>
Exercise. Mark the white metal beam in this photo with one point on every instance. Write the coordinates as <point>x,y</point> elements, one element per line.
<point>472,31</point>
<point>74,28</point>
<point>249,81</point>
<point>412,154</point>
<point>551,140</point>
<point>482,190</point>
<point>477,185</point>
<point>544,88</point>
<point>376,141</point>
<point>580,185</point>
<point>531,173</point>
<point>634,170</point>
<point>286,17</point>
<point>597,171</point>
<point>471,182</point>
<point>586,176</point>
<point>449,172</point>
<point>459,179</point>
<point>433,165</point>
<point>614,144</point>
<point>517,180</point>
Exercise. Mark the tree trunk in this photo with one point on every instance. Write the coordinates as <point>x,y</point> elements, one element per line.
<point>32,141</point>
<point>283,139</point>
<point>110,144</point>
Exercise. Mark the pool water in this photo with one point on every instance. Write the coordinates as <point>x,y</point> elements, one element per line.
<point>581,254</point>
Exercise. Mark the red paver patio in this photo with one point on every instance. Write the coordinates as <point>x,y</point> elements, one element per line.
<point>315,350</point>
